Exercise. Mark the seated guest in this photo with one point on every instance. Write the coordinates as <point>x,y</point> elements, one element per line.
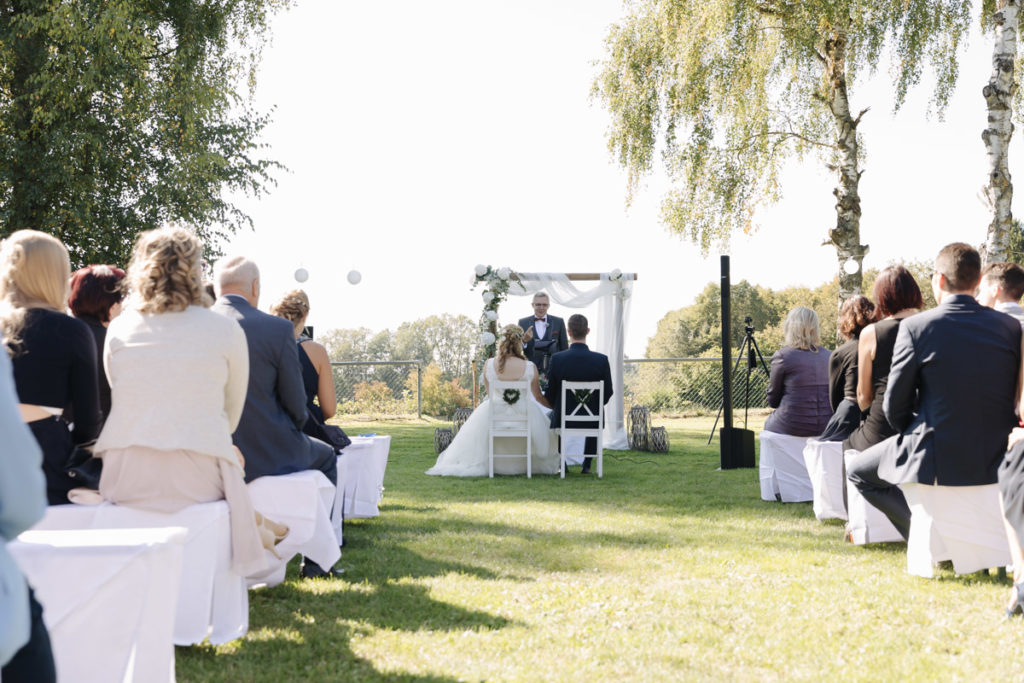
<point>317,375</point>
<point>178,375</point>
<point>54,355</point>
<point>798,385</point>
<point>96,300</point>
<point>896,297</point>
<point>856,314</point>
<point>270,431</point>
<point>951,394</point>
<point>1002,285</point>
<point>25,653</point>
<point>1011,495</point>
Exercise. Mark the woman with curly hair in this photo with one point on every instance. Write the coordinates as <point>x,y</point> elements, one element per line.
<point>856,313</point>
<point>53,355</point>
<point>467,455</point>
<point>178,377</point>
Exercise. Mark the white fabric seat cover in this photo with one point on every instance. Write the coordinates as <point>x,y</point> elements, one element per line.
<point>866,523</point>
<point>303,501</point>
<point>959,523</point>
<point>824,462</point>
<point>782,470</point>
<point>109,599</point>
<point>364,462</point>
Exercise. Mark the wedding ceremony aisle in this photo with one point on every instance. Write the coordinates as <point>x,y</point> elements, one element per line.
<point>665,569</point>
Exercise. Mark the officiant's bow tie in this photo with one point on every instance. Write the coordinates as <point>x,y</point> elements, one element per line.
<point>541,320</point>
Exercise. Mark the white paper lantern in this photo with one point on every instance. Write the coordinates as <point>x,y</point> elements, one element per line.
<point>354,277</point>
<point>851,267</point>
<point>301,275</point>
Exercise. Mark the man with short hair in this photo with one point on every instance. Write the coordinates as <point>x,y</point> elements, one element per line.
<point>269,433</point>
<point>951,393</point>
<point>1002,285</point>
<point>545,334</point>
<point>578,364</point>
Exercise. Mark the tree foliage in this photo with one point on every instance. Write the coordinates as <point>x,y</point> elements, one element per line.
<point>119,115</point>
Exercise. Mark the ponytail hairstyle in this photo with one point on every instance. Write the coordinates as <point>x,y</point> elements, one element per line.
<point>511,344</point>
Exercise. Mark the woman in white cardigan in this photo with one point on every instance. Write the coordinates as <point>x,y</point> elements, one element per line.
<point>178,375</point>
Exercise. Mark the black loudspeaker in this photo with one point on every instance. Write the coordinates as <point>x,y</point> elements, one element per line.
<point>737,447</point>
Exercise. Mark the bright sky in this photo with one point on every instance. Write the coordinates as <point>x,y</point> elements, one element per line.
<point>423,138</point>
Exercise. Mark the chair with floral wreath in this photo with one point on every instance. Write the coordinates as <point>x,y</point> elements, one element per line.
<point>510,423</point>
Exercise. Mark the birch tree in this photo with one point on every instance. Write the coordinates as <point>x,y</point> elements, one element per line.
<point>999,94</point>
<point>729,90</point>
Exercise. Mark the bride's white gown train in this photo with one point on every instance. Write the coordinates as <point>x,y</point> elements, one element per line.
<point>466,456</point>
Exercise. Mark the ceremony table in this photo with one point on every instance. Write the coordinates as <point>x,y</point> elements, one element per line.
<point>303,501</point>
<point>364,463</point>
<point>108,597</point>
<point>214,600</point>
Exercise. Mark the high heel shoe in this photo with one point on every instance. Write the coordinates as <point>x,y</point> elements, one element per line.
<point>1018,603</point>
<point>271,533</point>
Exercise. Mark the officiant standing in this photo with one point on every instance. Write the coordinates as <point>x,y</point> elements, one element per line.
<point>545,335</point>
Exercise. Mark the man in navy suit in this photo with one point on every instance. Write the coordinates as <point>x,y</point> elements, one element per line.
<point>578,364</point>
<point>545,334</point>
<point>951,393</point>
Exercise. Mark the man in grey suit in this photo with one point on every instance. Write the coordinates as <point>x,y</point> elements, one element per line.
<point>951,393</point>
<point>270,431</point>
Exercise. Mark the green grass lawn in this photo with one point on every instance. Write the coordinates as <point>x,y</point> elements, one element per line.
<point>665,569</point>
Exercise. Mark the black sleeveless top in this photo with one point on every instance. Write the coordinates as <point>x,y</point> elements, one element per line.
<point>875,427</point>
<point>311,383</point>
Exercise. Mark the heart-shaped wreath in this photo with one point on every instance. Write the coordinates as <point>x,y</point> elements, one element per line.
<point>511,396</point>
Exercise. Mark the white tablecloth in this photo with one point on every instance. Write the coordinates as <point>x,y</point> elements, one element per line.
<point>364,462</point>
<point>303,501</point>
<point>108,598</point>
<point>214,600</point>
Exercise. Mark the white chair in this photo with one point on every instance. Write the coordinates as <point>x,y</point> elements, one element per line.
<point>510,420</point>
<point>783,472</point>
<point>581,421</point>
<point>824,461</point>
<point>866,523</point>
<point>303,501</point>
<point>959,523</point>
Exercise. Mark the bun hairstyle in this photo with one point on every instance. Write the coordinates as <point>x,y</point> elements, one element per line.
<point>293,307</point>
<point>34,272</point>
<point>510,344</point>
<point>165,273</point>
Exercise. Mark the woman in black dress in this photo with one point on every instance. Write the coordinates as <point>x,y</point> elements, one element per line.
<point>54,355</point>
<point>897,296</point>
<point>856,314</point>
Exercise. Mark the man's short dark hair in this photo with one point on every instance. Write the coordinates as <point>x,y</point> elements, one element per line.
<point>578,326</point>
<point>1009,276</point>
<point>961,264</point>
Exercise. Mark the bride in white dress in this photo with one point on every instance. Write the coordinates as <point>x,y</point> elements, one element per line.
<point>466,456</point>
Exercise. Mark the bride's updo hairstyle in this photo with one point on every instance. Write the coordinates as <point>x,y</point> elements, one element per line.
<point>511,344</point>
<point>35,272</point>
<point>293,307</point>
<point>165,274</point>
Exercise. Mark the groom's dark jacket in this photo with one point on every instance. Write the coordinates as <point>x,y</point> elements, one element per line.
<point>577,364</point>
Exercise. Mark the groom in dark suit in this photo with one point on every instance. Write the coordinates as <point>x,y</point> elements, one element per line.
<point>545,334</point>
<point>578,364</point>
<point>951,393</point>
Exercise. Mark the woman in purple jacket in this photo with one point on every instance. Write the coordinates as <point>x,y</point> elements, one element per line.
<point>798,388</point>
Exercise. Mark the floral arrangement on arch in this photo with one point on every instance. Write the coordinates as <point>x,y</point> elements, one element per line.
<point>497,282</point>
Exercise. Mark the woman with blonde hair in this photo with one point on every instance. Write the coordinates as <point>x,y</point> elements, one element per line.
<point>178,377</point>
<point>798,387</point>
<point>53,354</point>
<point>467,455</point>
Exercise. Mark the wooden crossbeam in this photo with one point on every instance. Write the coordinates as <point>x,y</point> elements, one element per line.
<point>573,277</point>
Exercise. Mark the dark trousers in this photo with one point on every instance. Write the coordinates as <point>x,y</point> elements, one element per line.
<point>325,459</point>
<point>33,663</point>
<point>54,440</point>
<point>862,471</point>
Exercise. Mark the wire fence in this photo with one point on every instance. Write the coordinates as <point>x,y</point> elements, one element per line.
<point>667,386</point>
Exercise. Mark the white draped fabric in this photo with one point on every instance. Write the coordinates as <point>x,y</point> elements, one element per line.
<point>609,330</point>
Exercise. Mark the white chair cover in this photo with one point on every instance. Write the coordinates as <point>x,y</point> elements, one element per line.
<point>959,523</point>
<point>783,472</point>
<point>303,501</point>
<point>824,461</point>
<point>364,462</point>
<point>108,598</point>
<point>213,601</point>
<point>866,523</point>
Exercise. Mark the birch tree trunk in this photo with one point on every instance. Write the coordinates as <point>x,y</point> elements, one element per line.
<point>999,101</point>
<point>846,235</point>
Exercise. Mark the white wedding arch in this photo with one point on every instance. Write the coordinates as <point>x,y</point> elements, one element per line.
<point>612,292</point>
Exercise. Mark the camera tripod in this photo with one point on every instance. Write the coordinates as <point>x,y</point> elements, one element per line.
<point>753,353</point>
